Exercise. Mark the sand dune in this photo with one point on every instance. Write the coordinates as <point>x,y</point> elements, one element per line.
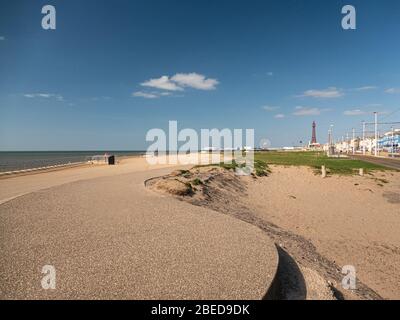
<point>324,224</point>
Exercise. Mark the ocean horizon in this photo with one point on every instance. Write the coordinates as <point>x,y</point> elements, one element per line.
<point>20,160</point>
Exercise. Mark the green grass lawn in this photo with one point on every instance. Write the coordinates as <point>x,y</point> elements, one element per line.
<point>316,160</point>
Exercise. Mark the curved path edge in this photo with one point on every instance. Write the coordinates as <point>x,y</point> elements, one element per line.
<point>110,238</point>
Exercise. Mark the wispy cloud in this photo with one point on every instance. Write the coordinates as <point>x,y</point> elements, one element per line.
<point>151,95</point>
<point>329,93</point>
<point>362,110</point>
<point>44,96</point>
<point>355,112</point>
<point>308,111</point>
<point>270,73</point>
<point>279,116</point>
<point>270,108</point>
<point>393,90</point>
<point>176,83</point>
<point>333,92</point>
<point>145,95</point>
<point>2,38</point>
<point>365,88</point>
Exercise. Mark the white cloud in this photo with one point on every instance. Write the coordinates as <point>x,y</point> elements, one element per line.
<point>44,95</point>
<point>144,95</point>
<point>181,80</point>
<point>329,93</point>
<point>270,108</point>
<point>355,112</point>
<point>365,88</point>
<point>308,111</point>
<point>151,95</point>
<point>279,116</point>
<point>393,90</point>
<point>195,80</point>
<point>270,73</point>
<point>163,83</point>
<point>2,38</point>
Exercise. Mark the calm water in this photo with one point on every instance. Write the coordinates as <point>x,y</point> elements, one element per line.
<point>10,161</point>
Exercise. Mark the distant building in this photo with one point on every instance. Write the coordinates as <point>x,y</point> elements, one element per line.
<point>390,141</point>
<point>314,133</point>
<point>314,145</point>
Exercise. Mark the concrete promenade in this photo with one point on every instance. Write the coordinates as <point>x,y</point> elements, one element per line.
<point>111,238</point>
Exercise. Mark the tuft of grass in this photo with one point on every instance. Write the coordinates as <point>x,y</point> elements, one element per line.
<point>261,168</point>
<point>197,182</point>
<point>231,166</point>
<point>185,173</point>
<point>189,186</point>
<point>315,160</point>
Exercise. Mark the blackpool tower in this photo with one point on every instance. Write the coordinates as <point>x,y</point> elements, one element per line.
<point>314,133</point>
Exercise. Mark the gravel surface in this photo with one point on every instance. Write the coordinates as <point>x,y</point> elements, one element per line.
<point>111,238</point>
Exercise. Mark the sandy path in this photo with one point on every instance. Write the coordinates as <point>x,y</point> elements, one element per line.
<point>351,220</point>
<point>110,237</point>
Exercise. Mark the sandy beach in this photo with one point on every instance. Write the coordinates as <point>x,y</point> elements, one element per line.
<point>350,220</point>
<point>323,224</point>
<point>112,237</point>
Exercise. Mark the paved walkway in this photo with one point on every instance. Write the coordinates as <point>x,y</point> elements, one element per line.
<point>111,238</point>
<point>16,186</point>
<point>386,162</point>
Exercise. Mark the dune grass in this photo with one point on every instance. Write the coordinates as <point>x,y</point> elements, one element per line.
<point>260,167</point>
<point>315,160</point>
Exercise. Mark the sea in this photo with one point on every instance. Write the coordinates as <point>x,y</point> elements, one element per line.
<point>14,161</point>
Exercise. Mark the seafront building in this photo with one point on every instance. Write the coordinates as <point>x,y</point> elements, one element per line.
<point>390,142</point>
<point>387,143</point>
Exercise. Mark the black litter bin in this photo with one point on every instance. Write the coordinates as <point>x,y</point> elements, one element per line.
<point>111,160</point>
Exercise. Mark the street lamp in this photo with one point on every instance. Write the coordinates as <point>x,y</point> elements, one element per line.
<point>376,133</point>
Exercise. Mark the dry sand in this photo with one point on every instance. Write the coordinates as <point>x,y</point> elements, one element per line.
<point>350,220</point>
<point>324,224</point>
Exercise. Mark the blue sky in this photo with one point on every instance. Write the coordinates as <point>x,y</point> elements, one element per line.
<point>112,70</point>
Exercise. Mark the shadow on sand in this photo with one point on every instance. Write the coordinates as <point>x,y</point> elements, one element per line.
<point>289,283</point>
